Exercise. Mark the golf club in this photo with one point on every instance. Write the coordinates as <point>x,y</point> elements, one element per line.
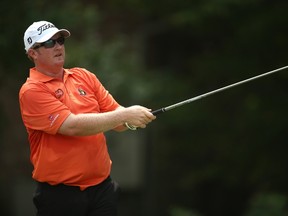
<point>165,109</point>
<point>173,106</point>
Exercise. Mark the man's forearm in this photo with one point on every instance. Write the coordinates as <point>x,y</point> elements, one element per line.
<point>92,123</point>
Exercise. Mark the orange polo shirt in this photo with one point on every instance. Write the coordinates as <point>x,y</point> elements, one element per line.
<point>45,103</point>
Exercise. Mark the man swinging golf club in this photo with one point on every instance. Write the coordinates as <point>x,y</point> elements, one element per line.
<point>65,112</point>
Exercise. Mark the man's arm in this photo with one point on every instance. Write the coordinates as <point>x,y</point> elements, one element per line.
<point>93,123</point>
<point>122,127</point>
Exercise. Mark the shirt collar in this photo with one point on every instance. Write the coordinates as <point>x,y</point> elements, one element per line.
<point>36,75</point>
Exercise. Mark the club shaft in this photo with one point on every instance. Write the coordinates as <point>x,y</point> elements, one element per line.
<point>165,109</point>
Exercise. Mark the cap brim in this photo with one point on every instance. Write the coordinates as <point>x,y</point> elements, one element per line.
<point>64,33</point>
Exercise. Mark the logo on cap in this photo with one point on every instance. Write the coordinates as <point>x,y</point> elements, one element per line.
<point>29,40</point>
<point>45,27</point>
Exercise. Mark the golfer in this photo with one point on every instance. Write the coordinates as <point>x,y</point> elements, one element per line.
<point>66,112</point>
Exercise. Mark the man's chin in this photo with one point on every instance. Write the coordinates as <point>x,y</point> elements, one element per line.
<point>59,61</point>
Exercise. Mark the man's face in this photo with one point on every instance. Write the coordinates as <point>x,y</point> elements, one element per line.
<point>50,57</point>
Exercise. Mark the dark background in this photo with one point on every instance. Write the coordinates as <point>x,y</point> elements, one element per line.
<point>224,155</point>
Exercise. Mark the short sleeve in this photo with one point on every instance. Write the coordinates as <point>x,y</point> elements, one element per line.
<point>105,99</point>
<point>40,110</point>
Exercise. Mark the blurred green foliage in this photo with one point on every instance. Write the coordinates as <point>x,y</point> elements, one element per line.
<point>178,211</point>
<point>268,205</point>
<point>211,156</point>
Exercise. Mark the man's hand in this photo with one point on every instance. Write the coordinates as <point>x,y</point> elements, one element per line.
<point>139,116</point>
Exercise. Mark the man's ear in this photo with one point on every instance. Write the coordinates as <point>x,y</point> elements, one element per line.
<point>32,54</point>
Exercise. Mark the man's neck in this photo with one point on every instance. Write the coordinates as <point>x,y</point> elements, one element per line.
<point>55,72</point>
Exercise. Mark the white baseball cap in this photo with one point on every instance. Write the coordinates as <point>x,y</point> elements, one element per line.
<point>40,32</point>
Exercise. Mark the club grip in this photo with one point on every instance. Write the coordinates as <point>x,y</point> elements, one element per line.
<point>158,111</point>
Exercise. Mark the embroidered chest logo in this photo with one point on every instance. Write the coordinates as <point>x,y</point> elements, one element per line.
<point>81,91</point>
<point>59,93</point>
